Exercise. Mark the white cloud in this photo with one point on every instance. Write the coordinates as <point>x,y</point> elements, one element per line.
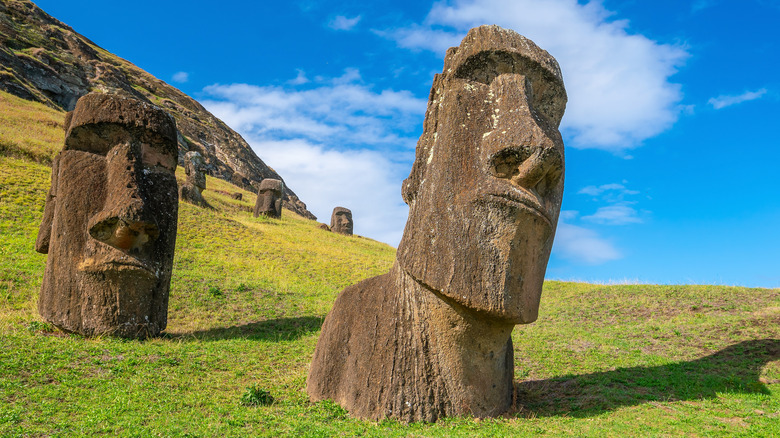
<point>300,79</point>
<point>597,190</point>
<point>724,101</point>
<point>614,215</point>
<point>336,143</point>
<point>612,193</point>
<point>582,244</point>
<point>338,114</point>
<point>343,23</point>
<point>618,83</point>
<point>365,181</point>
<point>181,77</point>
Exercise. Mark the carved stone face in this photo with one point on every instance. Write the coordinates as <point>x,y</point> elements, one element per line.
<point>341,221</point>
<point>486,187</point>
<point>195,168</point>
<point>110,220</point>
<point>269,198</point>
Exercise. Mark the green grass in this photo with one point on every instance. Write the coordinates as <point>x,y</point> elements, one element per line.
<point>29,130</point>
<point>247,300</point>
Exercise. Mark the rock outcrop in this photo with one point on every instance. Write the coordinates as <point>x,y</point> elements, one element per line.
<point>47,61</point>
<point>432,338</point>
<point>109,224</point>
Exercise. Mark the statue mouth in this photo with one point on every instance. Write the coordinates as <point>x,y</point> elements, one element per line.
<point>520,200</point>
<point>123,265</point>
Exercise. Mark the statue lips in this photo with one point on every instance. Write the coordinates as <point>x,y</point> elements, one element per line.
<point>126,264</point>
<point>519,199</point>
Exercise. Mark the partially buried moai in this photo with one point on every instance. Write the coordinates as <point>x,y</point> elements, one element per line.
<point>269,198</point>
<point>109,224</point>
<point>341,221</point>
<point>432,337</point>
<point>192,189</point>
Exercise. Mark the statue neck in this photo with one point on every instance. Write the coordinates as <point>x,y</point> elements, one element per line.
<point>469,355</point>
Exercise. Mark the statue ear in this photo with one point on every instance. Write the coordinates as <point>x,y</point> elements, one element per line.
<point>44,232</point>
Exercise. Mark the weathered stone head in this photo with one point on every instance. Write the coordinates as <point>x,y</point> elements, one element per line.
<point>192,189</point>
<point>432,337</point>
<point>341,221</point>
<point>109,224</point>
<point>269,198</point>
<point>486,186</point>
<point>195,169</point>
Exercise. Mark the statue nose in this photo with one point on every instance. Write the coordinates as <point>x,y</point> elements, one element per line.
<point>125,221</point>
<point>521,147</point>
<point>536,169</point>
<point>124,233</point>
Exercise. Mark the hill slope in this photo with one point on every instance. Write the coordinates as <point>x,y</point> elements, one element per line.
<point>247,300</point>
<point>46,61</point>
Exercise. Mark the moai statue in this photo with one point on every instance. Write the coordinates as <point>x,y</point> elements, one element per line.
<point>109,224</point>
<point>341,221</point>
<point>192,189</point>
<point>432,337</point>
<point>269,198</point>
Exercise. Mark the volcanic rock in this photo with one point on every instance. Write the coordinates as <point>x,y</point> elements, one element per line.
<point>109,224</point>
<point>341,221</point>
<point>432,337</point>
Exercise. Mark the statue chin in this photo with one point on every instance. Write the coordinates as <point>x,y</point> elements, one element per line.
<point>118,302</point>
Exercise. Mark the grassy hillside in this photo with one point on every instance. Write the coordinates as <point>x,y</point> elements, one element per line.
<point>247,300</point>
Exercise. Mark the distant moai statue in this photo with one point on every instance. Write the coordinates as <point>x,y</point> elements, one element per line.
<point>341,221</point>
<point>269,198</point>
<point>192,189</point>
<point>109,225</point>
<point>432,337</point>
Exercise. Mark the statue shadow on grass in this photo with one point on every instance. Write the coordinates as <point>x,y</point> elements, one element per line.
<point>735,369</point>
<point>281,329</point>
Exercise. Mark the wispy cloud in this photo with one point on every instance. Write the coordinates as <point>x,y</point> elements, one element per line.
<point>341,22</point>
<point>181,77</point>
<point>336,142</point>
<point>619,83</point>
<point>300,79</point>
<point>728,100</point>
<point>700,5</point>
<point>613,187</point>
<point>614,215</point>
<point>581,244</point>
<point>341,113</point>
<point>619,210</point>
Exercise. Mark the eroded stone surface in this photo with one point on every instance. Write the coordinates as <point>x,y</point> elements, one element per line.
<point>192,189</point>
<point>341,221</point>
<point>109,223</point>
<point>432,338</point>
<point>269,198</point>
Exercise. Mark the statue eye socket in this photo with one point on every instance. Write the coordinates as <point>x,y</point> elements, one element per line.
<point>548,97</point>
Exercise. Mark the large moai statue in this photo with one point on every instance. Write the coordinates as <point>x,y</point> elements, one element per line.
<point>109,224</point>
<point>341,221</point>
<point>269,198</point>
<point>432,337</point>
<point>192,189</point>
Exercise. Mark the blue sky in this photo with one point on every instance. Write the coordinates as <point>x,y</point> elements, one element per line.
<point>672,132</point>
